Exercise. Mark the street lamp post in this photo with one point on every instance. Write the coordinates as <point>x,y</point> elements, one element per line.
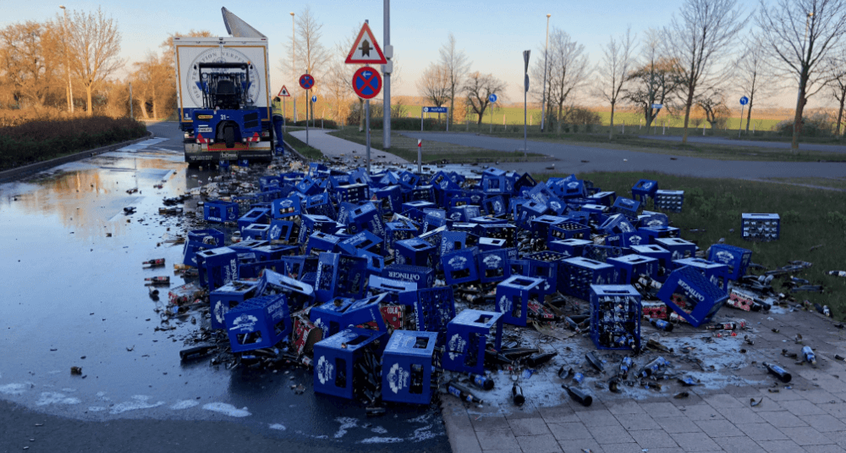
<point>67,58</point>
<point>543,94</point>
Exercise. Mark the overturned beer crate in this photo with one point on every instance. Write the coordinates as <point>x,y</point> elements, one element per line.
<point>407,367</point>
<point>335,358</point>
<point>615,312</point>
<point>467,337</point>
<point>692,296</point>
<point>737,259</point>
<point>258,323</point>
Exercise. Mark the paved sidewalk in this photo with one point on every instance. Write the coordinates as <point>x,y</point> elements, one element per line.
<point>807,415</point>
<point>334,147</point>
<point>758,143</point>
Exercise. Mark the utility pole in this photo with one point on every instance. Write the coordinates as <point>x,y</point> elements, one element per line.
<point>543,94</point>
<point>387,69</point>
<point>67,58</point>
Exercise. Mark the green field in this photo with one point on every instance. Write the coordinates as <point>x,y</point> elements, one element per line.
<point>809,217</point>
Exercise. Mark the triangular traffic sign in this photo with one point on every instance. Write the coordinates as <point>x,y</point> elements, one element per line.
<point>284,92</point>
<point>366,50</point>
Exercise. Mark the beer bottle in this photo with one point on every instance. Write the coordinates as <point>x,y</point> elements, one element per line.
<point>462,392</point>
<point>809,355</point>
<point>165,280</point>
<point>660,324</point>
<point>517,395</point>
<point>779,372</point>
<point>579,395</point>
<point>540,358</point>
<point>482,381</point>
<point>154,262</point>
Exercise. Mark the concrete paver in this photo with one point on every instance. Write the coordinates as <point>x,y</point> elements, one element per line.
<point>653,438</point>
<point>695,442</point>
<point>543,443</point>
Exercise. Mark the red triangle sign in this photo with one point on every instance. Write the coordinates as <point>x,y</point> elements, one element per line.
<point>284,92</point>
<point>366,50</point>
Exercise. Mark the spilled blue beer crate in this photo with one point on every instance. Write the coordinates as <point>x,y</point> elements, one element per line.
<point>736,258</point>
<point>407,367</point>
<point>467,338</point>
<point>692,296</point>
<point>260,322</point>
<point>615,313</point>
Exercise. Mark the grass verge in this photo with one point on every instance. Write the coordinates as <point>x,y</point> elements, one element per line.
<point>308,152</point>
<point>809,217</point>
<point>40,140</point>
<point>435,152</point>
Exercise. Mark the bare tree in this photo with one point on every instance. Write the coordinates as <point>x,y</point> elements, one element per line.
<point>28,52</point>
<point>837,83</point>
<point>153,80</point>
<point>457,66</point>
<point>696,40</point>
<point>753,73</point>
<point>311,56</point>
<point>655,81</point>
<point>800,34</point>
<point>435,84</point>
<point>613,72</point>
<point>478,89</point>
<point>93,48</point>
<point>712,101</point>
<point>567,70</point>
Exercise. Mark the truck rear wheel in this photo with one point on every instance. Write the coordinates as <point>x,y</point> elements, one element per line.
<point>229,136</point>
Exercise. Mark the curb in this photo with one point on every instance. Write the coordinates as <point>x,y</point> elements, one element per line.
<point>300,156</point>
<point>459,428</point>
<point>15,173</point>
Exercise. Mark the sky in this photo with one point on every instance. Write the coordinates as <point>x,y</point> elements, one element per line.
<point>492,33</point>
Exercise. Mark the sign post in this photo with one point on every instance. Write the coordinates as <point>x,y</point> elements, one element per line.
<point>306,82</point>
<point>743,101</point>
<point>526,54</point>
<point>283,93</point>
<point>419,156</point>
<point>367,83</point>
<point>313,120</point>
<point>492,98</point>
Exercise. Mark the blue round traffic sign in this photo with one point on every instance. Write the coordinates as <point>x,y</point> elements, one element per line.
<point>744,100</point>
<point>367,83</point>
<point>492,97</point>
<point>314,99</point>
<point>306,81</point>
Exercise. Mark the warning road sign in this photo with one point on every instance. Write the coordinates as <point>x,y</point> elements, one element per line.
<point>367,83</point>
<point>284,92</point>
<point>366,50</point>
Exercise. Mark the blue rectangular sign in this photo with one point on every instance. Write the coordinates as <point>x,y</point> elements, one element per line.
<point>434,109</point>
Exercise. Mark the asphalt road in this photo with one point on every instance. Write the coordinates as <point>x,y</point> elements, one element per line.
<point>74,295</point>
<point>575,159</point>
<point>763,144</point>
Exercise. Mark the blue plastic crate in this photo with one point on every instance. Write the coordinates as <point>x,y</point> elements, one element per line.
<point>737,259</point>
<point>493,265</point>
<point>630,267</point>
<point>375,263</point>
<point>424,192</point>
<point>545,265</point>
<point>540,226</point>
<point>648,219</point>
<point>460,266</point>
<point>434,308</point>
<point>577,274</point>
<point>260,322</point>
<point>568,230</point>
<point>662,255</point>
<point>716,273</point>
<point>299,293</point>
<point>486,244</point>
<point>528,211</point>
<point>389,287</point>
<point>321,242</point>
<point>415,252</point>
<point>256,231</point>
<point>452,240</point>
<point>391,199</point>
<point>365,240</point>
<point>760,227</point>
<point>505,231</point>
<point>424,277</point>
<point>200,240</point>
<point>397,231</point>
<point>220,211</point>
<point>615,313</point>
<point>495,205</point>
<point>644,189</point>
<point>283,230</point>
<point>255,215</point>
<point>569,247</point>
<point>433,219</point>
<point>692,296</point>
<point>320,204</point>
<point>217,267</point>
<point>365,217</point>
<point>678,248</point>
<point>342,313</point>
<point>627,207</point>
<point>659,232</point>
<point>266,182</point>
<point>339,276</point>
<point>228,297</point>
<point>254,269</point>
<point>617,224</point>
<point>418,204</point>
<point>268,196</point>
<point>557,205</point>
<point>603,198</point>
<point>286,207</point>
<point>601,252</point>
<point>408,180</point>
<point>335,358</point>
<point>513,295</point>
<point>467,337</point>
<point>464,213</point>
<point>407,367</point>
<point>669,200</point>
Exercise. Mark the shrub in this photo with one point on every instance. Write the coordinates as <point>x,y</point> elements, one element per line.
<point>815,125</point>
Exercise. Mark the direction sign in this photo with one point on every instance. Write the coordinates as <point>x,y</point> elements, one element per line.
<point>434,109</point>
<point>365,49</point>
<point>314,99</point>
<point>744,100</point>
<point>284,92</point>
<point>367,83</point>
<point>657,106</point>
<point>306,81</point>
<point>492,97</point>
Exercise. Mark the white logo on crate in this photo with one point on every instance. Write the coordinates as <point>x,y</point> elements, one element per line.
<point>600,280</point>
<point>209,240</point>
<point>322,326</point>
<point>245,323</point>
<point>504,304</point>
<point>444,184</point>
<point>677,255</point>
<point>635,240</point>
<point>231,271</point>
<point>655,222</point>
<point>275,232</point>
<point>220,309</point>
<point>572,185</point>
<point>397,378</point>
<point>286,203</point>
<point>647,185</point>
<point>497,206</point>
<point>724,257</point>
<point>456,346</point>
<point>716,281</point>
<point>626,227</point>
<point>325,370</point>
<point>691,291</point>
<point>457,262</point>
<point>492,261</point>
<point>555,205</point>
<point>455,216</point>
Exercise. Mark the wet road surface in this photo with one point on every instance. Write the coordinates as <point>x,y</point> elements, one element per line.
<point>75,296</point>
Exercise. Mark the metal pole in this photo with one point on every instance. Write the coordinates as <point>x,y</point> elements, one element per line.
<point>421,119</point>
<point>420,156</point>
<point>386,103</point>
<point>525,128</point>
<point>293,66</point>
<point>367,131</point>
<point>131,112</point>
<point>543,94</point>
<point>284,112</point>
<point>740,127</point>
<point>491,117</point>
<point>448,115</point>
<point>306,121</point>
<point>67,59</point>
